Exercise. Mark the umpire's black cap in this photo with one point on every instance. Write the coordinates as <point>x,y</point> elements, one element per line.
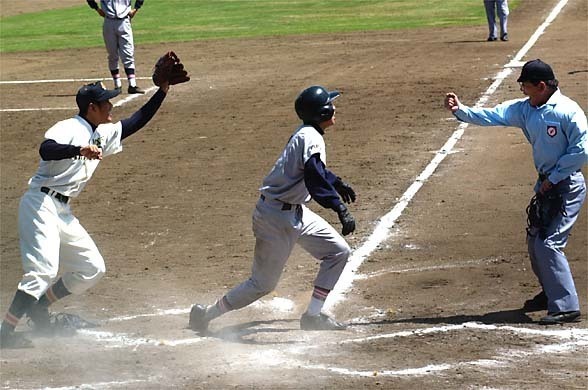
<point>536,70</point>
<point>94,93</point>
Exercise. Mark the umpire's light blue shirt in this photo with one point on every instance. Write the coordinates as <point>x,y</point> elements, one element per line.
<point>556,130</point>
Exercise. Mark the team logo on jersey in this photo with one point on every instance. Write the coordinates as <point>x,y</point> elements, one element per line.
<point>551,131</point>
<point>97,142</point>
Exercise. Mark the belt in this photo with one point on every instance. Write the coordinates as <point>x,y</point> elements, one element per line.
<point>543,176</point>
<point>285,206</point>
<point>55,194</point>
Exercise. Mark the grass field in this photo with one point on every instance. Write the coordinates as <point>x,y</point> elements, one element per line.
<point>187,20</point>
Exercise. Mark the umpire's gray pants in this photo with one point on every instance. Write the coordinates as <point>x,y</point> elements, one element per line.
<point>547,257</point>
<point>493,7</point>
<point>276,232</point>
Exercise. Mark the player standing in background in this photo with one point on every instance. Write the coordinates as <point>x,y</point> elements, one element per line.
<point>557,129</point>
<point>281,219</point>
<point>118,38</point>
<point>492,8</point>
<point>51,237</point>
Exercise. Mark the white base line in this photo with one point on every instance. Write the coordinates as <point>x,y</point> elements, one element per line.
<point>117,104</point>
<point>382,230</point>
<point>63,80</point>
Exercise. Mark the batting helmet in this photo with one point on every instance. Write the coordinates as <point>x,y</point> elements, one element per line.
<point>315,104</point>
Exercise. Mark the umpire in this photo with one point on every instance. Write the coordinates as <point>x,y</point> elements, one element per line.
<point>556,127</point>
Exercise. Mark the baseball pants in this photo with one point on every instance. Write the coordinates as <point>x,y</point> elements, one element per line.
<point>276,232</point>
<point>493,7</point>
<point>50,237</point>
<point>118,38</point>
<point>548,260</point>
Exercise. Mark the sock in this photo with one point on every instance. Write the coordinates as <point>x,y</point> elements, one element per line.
<point>19,306</point>
<point>116,78</point>
<point>319,295</point>
<point>131,76</point>
<point>54,293</point>
<point>218,309</point>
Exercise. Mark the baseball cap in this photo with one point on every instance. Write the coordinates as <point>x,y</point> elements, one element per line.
<point>536,70</point>
<point>94,93</point>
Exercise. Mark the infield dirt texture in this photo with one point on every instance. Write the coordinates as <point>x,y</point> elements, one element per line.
<point>437,304</point>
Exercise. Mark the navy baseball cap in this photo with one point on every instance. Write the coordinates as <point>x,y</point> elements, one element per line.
<point>536,70</point>
<point>94,93</point>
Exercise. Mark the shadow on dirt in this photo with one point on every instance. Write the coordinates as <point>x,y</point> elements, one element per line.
<point>239,333</point>
<point>516,316</point>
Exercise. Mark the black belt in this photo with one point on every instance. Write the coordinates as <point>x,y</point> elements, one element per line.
<point>55,194</point>
<point>285,206</point>
<point>543,176</point>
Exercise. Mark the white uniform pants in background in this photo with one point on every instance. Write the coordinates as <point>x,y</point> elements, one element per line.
<point>50,237</point>
<point>276,232</point>
<point>118,39</point>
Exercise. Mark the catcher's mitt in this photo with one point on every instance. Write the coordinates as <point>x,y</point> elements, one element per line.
<point>169,68</point>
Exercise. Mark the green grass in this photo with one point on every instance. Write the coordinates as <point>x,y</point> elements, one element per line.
<point>188,20</point>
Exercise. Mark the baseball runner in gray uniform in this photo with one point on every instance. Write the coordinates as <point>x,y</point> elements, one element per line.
<point>281,219</point>
<point>118,38</point>
<point>51,237</point>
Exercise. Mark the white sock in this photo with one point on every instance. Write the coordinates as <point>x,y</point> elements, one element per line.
<point>315,306</point>
<point>132,82</point>
<point>117,82</point>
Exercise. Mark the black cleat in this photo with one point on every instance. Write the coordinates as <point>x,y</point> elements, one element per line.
<point>537,303</point>
<point>560,318</point>
<point>198,321</point>
<point>491,39</point>
<point>9,339</point>
<point>320,322</point>
<point>504,37</point>
<point>133,90</point>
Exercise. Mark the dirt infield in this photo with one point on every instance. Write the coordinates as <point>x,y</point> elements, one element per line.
<point>437,303</point>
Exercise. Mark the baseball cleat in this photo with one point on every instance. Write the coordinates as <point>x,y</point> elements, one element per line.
<point>9,339</point>
<point>560,318</point>
<point>320,322</point>
<point>537,303</point>
<point>133,90</point>
<point>198,321</point>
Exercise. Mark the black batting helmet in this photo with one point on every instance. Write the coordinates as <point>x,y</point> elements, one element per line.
<point>315,104</point>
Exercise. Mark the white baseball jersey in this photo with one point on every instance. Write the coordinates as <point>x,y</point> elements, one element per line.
<point>285,182</point>
<point>69,176</point>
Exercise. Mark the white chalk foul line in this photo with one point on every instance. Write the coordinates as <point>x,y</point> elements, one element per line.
<point>572,340</point>
<point>61,81</point>
<point>382,230</point>
<point>117,104</point>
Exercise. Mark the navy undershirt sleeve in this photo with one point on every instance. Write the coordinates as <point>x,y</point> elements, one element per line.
<point>319,182</point>
<point>92,4</point>
<point>51,150</point>
<point>143,115</point>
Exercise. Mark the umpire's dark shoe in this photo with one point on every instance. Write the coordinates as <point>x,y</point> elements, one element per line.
<point>198,321</point>
<point>133,90</point>
<point>320,322</point>
<point>504,37</point>
<point>537,303</point>
<point>560,318</point>
<point>9,339</point>
<point>491,39</point>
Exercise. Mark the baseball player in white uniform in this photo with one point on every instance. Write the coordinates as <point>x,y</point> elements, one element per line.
<point>281,219</point>
<point>51,237</point>
<point>118,38</point>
